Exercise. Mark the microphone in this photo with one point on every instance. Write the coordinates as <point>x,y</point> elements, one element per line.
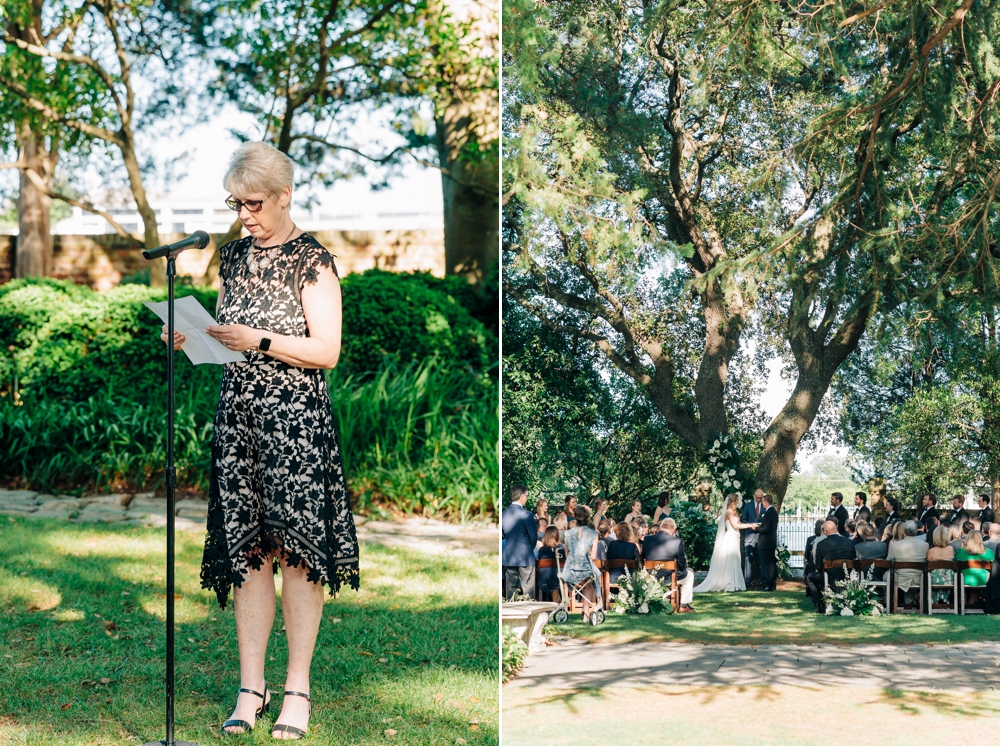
<point>197,240</point>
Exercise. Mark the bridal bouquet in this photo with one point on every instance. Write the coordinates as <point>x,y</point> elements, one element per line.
<point>852,597</point>
<point>640,593</point>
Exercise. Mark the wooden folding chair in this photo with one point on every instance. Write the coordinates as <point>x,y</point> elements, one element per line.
<point>975,591</point>
<point>896,590</point>
<point>954,586</point>
<point>602,568</point>
<point>670,566</point>
<point>863,565</point>
<point>545,564</point>
<point>846,564</point>
<point>617,564</point>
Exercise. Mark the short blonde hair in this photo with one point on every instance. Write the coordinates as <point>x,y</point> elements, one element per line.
<point>257,167</point>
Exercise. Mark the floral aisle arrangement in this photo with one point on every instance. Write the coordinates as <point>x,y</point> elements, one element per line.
<point>641,593</point>
<point>852,597</point>
<point>784,568</point>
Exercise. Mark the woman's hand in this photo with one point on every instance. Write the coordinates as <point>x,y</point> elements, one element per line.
<point>236,337</point>
<point>178,338</point>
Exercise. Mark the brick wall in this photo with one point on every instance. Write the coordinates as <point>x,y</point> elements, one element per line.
<point>102,261</point>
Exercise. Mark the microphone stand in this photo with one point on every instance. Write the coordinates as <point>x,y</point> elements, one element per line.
<point>169,679</point>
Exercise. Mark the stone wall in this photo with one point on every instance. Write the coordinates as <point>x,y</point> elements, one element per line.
<point>102,261</point>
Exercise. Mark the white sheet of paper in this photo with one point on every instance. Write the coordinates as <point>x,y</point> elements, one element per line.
<point>191,319</point>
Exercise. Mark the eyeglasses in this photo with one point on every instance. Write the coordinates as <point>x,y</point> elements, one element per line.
<point>253,205</point>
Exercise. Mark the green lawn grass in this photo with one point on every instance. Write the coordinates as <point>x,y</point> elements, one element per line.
<point>784,617</point>
<point>82,645</point>
<point>746,716</point>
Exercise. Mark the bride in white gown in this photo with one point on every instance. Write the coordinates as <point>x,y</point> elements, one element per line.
<point>725,571</point>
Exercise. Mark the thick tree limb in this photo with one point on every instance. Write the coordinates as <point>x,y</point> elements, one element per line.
<point>39,183</point>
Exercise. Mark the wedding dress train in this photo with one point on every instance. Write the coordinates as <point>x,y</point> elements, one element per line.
<point>725,570</point>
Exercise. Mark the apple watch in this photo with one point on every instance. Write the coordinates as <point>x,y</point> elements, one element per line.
<point>264,344</point>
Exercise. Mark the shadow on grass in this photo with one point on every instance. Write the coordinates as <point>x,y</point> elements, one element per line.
<point>783,617</point>
<point>83,644</point>
<point>953,704</point>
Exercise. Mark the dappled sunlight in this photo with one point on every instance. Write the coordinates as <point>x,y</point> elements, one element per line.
<point>135,544</point>
<point>69,615</point>
<point>781,618</point>
<point>27,591</point>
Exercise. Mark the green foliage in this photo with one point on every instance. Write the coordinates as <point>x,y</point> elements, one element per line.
<point>82,403</point>
<point>697,529</point>
<point>810,491</point>
<point>409,318</point>
<point>514,651</point>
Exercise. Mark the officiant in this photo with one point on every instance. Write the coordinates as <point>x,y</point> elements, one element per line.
<point>277,492</point>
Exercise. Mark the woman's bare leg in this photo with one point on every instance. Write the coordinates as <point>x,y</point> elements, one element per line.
<point>254,603</point>
<point>302,608</point>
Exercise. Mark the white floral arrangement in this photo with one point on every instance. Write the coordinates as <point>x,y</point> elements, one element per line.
<point>724,463</point>
<point>641,593</point>
<point>853,597</point>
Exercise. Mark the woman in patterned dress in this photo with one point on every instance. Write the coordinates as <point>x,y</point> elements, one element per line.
<point>277,490</point>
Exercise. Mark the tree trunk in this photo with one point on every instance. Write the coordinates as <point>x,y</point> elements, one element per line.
<point>34,239</point>
<point>782,437</point>
<point>158,267</point>
<point>467,130</point>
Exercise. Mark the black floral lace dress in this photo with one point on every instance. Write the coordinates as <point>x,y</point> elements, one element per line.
<point>277,479</point>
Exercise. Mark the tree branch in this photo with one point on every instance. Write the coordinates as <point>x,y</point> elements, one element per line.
<point>40,184</point>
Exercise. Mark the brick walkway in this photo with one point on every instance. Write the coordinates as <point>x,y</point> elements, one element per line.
<point>144,509</point>
<point>576,665</point>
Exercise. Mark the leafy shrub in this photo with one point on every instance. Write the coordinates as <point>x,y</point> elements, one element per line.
<point>697,530</point>
<point>514,652</point>
<point>403,316</point>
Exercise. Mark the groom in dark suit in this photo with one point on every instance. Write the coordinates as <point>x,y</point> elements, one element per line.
<point>767,543</point>
<point>752,513</point>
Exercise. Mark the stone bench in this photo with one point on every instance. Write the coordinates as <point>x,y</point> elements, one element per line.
<point>527,619</point>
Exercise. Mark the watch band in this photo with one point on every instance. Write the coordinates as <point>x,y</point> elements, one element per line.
<point>264,344</point>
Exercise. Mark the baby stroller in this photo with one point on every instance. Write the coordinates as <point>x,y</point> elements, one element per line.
<point>572,598</point>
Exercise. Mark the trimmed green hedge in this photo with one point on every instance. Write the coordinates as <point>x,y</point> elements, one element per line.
<point>82,393</point>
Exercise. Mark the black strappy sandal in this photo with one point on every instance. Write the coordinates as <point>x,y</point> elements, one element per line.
<point>283,728</point>
<point>247,728</point>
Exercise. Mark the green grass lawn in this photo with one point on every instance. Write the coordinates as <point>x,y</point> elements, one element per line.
<point>82,645</point>
<point>784,617</point>
<point>746,716</point>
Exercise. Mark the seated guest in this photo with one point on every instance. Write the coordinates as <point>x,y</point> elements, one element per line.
<point>561,522</point>
<point>977,525</point>
<point>581,551</point>
<point>640,529</point>
<point>833,546</point>
<point>543,523</point>
<point>898,533</point>
<point>909,549</point>
<point>943,551</point>
<point>548,577</point>
<point>849,528</point>
<point>869,548</point>
<point>622,548</point>
<point>975,550</point>
<point>928,528</point>
<point>603,529</point>
<point>986,514</point>
<point>664,546</point>
<point>994,541</point>
<point>955,536</point>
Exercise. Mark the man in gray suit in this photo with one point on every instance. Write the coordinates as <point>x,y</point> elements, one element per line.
<point>909,549</point>
<point>520,532</point>
<point>753,511</point>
